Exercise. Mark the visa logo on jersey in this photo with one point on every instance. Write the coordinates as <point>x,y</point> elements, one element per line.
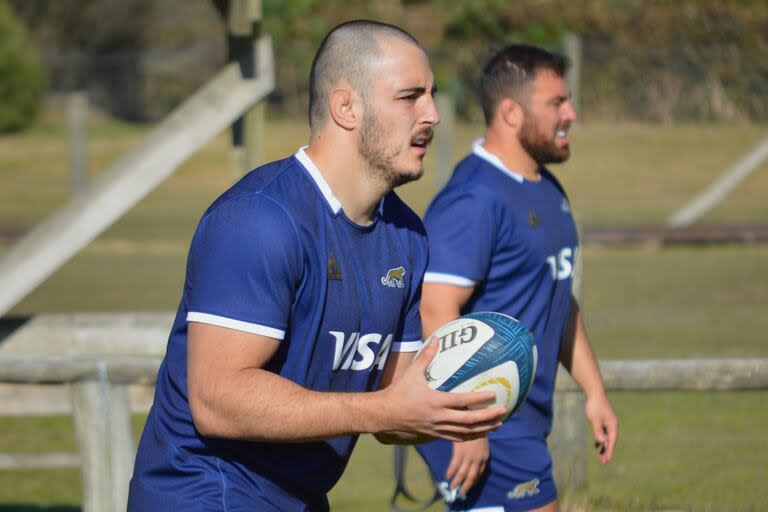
<point>561,264</point>
<point>355,352</point>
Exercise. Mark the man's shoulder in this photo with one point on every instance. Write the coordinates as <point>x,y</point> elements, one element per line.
<point>473,179</point>
<point>270,179</point>
<point>268,199</point>
<point>479,176</point>
<point>280,183</point>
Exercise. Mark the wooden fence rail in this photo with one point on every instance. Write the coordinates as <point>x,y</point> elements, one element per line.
<point>100,407</point>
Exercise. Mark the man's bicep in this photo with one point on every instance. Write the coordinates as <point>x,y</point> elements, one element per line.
<point>231,348</point>
<point>214,353</point>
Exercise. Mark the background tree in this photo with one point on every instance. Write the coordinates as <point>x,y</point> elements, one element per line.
<point>21,76</point>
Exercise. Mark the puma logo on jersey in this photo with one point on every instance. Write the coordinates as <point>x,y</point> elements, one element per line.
<point>533,219</point>
<point>355,352</point>
<point>524,490</point>
<point>394,278</point>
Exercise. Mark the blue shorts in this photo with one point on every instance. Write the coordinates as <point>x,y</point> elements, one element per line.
<point>518,476</point>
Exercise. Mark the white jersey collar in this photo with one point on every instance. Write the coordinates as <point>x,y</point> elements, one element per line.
<point>323,185</point>
<point>325,189</point>
<point>480,151</point>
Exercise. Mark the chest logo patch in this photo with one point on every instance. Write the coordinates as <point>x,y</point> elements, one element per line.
<point>334,272</point>
<point>394,278</point>
<point>524,490</point>
<point>533,219</point>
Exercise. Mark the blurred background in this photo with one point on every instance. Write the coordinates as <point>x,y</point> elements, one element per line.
<point>672,98</point>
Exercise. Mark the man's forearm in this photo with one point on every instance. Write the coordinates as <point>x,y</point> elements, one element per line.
<point>258,405</point>
<point>579,358</point>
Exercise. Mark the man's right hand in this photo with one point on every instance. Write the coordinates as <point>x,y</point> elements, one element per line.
<point>412,412</point>
<point>468,463</point>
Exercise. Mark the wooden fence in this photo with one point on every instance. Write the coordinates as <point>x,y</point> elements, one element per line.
<point>95,365</point>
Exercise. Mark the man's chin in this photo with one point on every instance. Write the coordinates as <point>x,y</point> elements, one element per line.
<point>563,155</point>
<point>406,176</point>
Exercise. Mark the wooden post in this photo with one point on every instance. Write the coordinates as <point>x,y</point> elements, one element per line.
<point>244,25</point>
<point>122,450</point>
<point>568,440</point>
<point>89,408</point>
<point>444,139</point>
<point>573,50</point>
<point>103,427</point>
<point>568,445</point>
<point>254,133</point>
<point>77,116</point>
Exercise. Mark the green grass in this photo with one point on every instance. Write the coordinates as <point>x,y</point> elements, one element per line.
<point>683,451</point>
<point>677,451</point>
<point>687,451</point>
<point>33,489</point>
<point>643,302</point>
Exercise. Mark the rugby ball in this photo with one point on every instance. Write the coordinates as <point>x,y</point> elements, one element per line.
<point>485,351</point>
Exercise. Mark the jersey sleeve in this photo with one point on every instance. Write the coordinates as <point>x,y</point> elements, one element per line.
<point>410,339</point>
<point>461,228</point>
<point>244,267</point>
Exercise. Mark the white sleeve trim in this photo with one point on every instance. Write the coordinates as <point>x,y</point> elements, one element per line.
<point>238,325</point>
<point>407,346</point>
<point>440,277</point>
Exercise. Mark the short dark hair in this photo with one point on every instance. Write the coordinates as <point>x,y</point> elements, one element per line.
<point>345,54</point>
<point>510,70</point>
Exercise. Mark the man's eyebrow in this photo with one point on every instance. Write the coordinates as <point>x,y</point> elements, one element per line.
<point>417,90</point>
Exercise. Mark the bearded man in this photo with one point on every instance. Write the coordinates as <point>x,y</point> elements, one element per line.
<point>502,238</point>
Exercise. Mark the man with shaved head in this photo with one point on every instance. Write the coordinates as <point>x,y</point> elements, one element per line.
<point>300,310</point>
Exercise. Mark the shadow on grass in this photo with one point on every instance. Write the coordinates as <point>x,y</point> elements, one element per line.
<point>24,507</point>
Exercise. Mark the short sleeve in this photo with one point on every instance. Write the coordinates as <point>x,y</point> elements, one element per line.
<point>461,229</point>
<point>410,339</point>
<point>244,267</point>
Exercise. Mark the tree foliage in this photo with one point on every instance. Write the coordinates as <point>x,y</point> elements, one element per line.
<point>21,77</point>
<point>656,60</point>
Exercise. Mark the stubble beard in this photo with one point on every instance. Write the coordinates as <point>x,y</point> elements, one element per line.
<point>379,158</point>
<point>542,148</point>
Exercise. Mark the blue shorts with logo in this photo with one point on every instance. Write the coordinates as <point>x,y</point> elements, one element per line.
<point>518,476</point>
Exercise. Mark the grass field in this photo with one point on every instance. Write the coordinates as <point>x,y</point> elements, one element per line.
<point>681,451</point>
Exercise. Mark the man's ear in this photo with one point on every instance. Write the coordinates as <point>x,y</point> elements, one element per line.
<point>511,113</point>
<point>344,109</point>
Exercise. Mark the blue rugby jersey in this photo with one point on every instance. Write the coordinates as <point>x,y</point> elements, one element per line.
<point>515,241</point>
<point>276,255</point>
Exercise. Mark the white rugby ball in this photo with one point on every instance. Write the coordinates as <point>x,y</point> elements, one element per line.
<point>485,351</point>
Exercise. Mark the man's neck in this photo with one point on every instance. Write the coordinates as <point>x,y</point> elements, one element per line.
<point>358,192</point>
<point>512,155</point>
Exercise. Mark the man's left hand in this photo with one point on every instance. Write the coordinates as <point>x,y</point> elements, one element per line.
<point>605,426</point>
